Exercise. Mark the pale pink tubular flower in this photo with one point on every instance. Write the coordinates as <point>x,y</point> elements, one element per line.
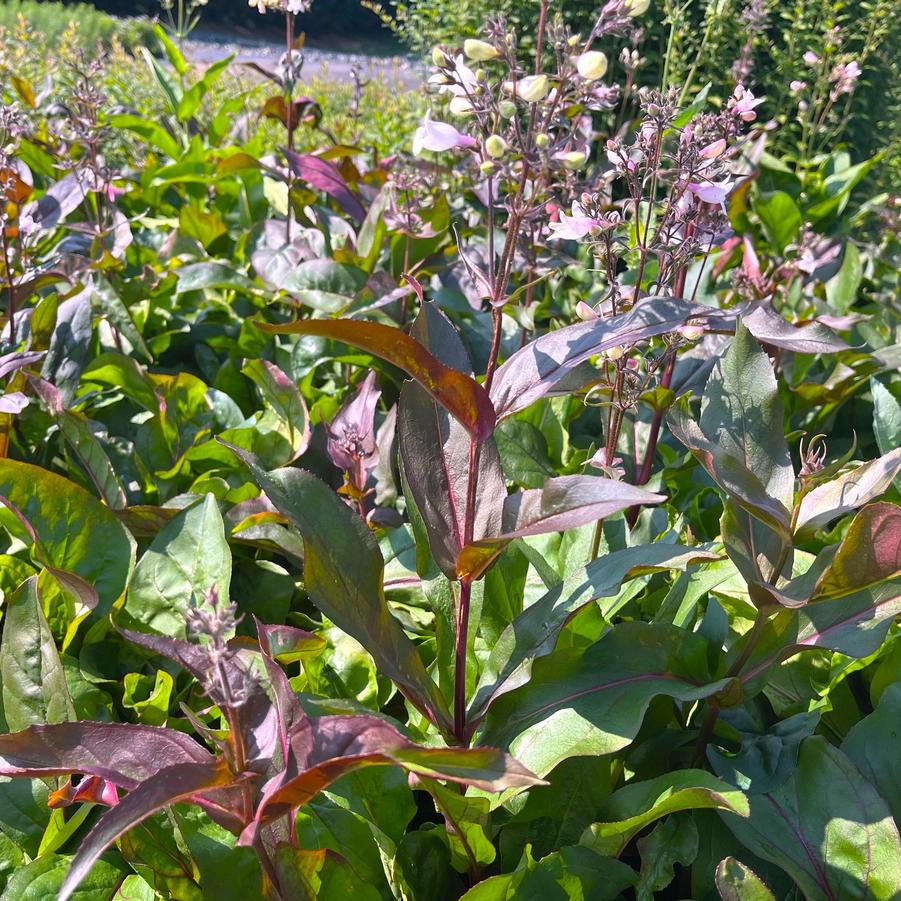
<point>810,58</point>
<point>797,86</point>
<point>465,84</point>
<point>438,137</point>
<point>576,226</point>
<point>742,103</point>
<point>713,193</point>
<point>351,434</point>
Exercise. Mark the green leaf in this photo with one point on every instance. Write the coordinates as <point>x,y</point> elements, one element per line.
<point>780,216</point>
<point>736,882</point>
<point>836,188</point>
<point>572,873</point>
<point>32,681</point>
<point>674,841</point>
<point>468,826</point>
<point>187,560</point>
<point>534,632</point>
<point>79,433</point>
<point>344,574</point>
<point>524,453</point>
<point>281,394</point>
<point>592,702</point>
<point>635,806</point>
<point>841,289</point>
<point>42,879</point>
<point>77,534</point>
<point>872,744</point>
<point>152,849</point>
<point>827,828</point>
<point>225,868</point>
<point>886,418</point>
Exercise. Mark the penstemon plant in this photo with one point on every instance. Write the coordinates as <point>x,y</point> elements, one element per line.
<point>513,517</point>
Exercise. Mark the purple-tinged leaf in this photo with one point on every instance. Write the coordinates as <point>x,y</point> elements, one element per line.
<point>344,575</point>
<point>288,644</point>
<point>869,553</point>
<point>61,199</point>
<point>328,748</point>
<point>461,395</point>
<point>243,671</point>
<point>18,359</point>
<point>847,492</point>
<point>325,177</point>
<point>533,372</point>
<point>768,327</point>
<point>739,483</point>
<point>535,631</point>
<point>283,396</point>
<point>169,785</point>
<point>122,753</point>
<point>435,453</point>
<point>563,503</point>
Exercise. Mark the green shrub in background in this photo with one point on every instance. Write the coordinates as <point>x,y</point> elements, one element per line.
<point>88,25</point>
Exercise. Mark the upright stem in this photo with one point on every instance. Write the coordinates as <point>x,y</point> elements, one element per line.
<point>289,110</point>
<point>10,292</point>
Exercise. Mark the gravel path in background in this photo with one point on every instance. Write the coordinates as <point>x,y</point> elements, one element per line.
<point>335,65</point>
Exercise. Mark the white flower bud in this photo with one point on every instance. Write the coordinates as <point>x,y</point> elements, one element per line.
<point>440,58</point>
<point>542,140</point>
<point>636,8</point>
<point>592,65</point>
<point>532,88</point>
<point>613,353</point>
<point>691,332</point>
<point>479,50</point>
<point>460,106</point>
<point>495,146</point>
<point>488,167</point>
<point>574,159</point>
<point>507,109</point>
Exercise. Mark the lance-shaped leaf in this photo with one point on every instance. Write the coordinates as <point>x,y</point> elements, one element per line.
<point>187,560</point>
<point>827,828</point>
<point>344,574</point>
<point>534,632</point>
<point>169,785</point>
<point>435,452</point>
<point>742,414</point>
<point>77,534</point>
<point>533,371</point>
<point>33,685</point>
<point>592,702</point>
<point>768,327</point>
<point>869,553</point>
<point>873,745</point>
<point>563,503</point>
<point>461,395</point>
<point>282,395</point>
<point>121,753</point>
<point>325,177</point>
<point>631,808</point>
<point>847,492</point>
<point>332,746</point>
<point>856,596</point>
